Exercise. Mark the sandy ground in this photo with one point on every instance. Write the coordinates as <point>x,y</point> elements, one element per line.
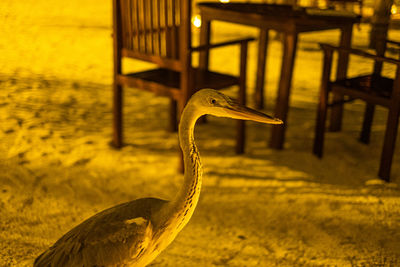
<point>265,208</point>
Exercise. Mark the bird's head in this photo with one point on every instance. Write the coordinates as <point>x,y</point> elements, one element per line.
<point>208,101</point>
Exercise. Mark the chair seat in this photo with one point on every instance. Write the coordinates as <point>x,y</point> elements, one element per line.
<point>169,79</point>
<point>377,89</point>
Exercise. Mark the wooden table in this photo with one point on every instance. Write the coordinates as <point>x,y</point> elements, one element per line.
<point>290,21</point>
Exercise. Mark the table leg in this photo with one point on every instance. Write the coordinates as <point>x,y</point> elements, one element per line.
<point>282,103</point>
<point>337,110</point>
<point>204,40</point>
<point>262,57</point>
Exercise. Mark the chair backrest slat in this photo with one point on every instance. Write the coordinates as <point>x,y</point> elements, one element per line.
<point>142,26</point>
<point>156,29</point>
<point>146,27</point>
<point>173,30</point>
<point>167,29</point>
<point>151,12</point>
<point>158,26</point>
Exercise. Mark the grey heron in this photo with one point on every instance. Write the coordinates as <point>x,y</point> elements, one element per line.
<point>134,233</point>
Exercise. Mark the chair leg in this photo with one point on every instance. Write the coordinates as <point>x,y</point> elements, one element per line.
<point>366,128</point>
<point>241,136</point>
<point>320,127</point>
<point>117,116</point>
<point>389,143</point>
<point>173,121</point>
<point>261,64</point>
<point>336,114</point>
<point>241,125</point>
<point>322,105</point>
<point>321,120</point>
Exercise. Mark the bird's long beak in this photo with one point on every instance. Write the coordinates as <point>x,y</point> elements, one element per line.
<point>241,112</point>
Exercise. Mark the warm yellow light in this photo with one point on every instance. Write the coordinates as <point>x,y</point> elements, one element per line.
<point>394,9</point>
<point>196,21</point>
<point>224,1</point>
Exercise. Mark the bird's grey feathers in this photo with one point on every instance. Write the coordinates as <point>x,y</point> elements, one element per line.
<point>108,238</point>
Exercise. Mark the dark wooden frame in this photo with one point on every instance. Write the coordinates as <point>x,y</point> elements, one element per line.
<point>374,89</point>
<point>344,2</point>
<point>159,31</point>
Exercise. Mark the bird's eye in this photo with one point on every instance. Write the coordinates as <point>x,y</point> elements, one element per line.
<point>213,101</point>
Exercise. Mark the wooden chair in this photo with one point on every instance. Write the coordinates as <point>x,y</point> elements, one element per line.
<point>159,31</point>
<point>374,89</point>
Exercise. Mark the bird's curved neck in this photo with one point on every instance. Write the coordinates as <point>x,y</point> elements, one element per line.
<point>186,200</point>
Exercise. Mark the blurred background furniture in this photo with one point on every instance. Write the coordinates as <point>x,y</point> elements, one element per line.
<point>373,88</point>
<point>288,20</point>
<point>345,3</point>
<point>159,32</point>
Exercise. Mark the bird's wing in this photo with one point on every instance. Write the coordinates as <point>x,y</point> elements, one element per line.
<point>112,237</point>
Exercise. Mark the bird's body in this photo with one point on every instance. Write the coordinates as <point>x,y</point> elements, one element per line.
<point>117,236</point>
<point>134,233</point>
